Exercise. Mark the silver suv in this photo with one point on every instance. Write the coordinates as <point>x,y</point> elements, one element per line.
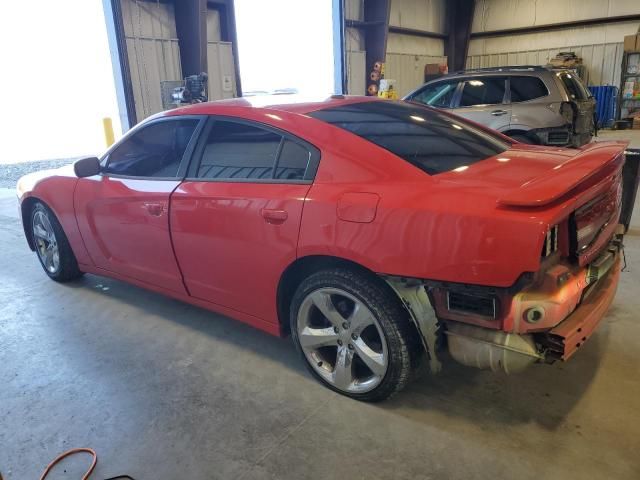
<point>528,103</point>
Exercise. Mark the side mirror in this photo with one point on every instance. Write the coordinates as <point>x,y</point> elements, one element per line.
<point>86,167</point>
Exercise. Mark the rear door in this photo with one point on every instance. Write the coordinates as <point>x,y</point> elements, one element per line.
<point>235,219</point>
<point>123,213</point>
<point>484,100</point>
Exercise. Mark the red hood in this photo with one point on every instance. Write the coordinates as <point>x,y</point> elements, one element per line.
<point>532,176</point>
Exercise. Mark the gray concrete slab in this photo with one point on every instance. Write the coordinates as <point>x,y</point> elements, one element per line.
<point>163,390</point>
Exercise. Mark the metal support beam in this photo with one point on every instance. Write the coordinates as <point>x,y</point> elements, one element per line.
<point>416,33</point>
<point>120,63</point>
<point>339,51</point>
<point>228,33</point>
<point>191,26</point>
<point>376,16</point>
<point>459,19</point>
<point>557,26</point>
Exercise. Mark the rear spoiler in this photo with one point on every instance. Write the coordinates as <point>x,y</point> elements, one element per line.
<point>592,161</point>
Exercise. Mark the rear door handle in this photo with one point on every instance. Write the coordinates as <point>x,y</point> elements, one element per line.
<point>155,209</point>
<point>274,216</point>
<point>497,113</point>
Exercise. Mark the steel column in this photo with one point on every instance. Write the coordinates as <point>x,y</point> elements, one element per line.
<point>459,19</point>
<point>191,26</point>
<point>376,23</point>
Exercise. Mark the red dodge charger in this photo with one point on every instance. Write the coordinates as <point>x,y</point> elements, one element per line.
<point>375,232</point>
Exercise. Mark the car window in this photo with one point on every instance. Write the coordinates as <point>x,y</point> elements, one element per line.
<point>437,95</point>
<point>527,88</point>
<point>573,86</point>
<point>432,141</point>
<point>482,91</point>
<point>293,161</point>
<point>155,150</point>
<point>239,151</point>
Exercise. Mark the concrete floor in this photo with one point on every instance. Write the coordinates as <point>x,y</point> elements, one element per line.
<point>162,390</point>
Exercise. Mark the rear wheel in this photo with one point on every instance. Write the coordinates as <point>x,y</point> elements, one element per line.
<point>353,334</point>
<point>51,244</point>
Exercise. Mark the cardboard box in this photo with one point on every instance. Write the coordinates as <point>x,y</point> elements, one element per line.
<point>632,43</point>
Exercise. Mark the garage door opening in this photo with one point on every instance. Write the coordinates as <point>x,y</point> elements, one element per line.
<point>285,46</point>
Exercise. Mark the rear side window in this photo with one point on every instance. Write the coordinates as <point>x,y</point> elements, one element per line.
<point>574,88</point>
<point>437,95</point>
<point>293,161</point>
<point>155,150</point>
<point>482,91</point>
<point>244,151</point>
<point>527,88</point>
<point>430,140</point>
<point>236,150</point>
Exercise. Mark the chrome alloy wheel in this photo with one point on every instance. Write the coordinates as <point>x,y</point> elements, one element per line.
<point>46,242</point>
<point>342,340</point>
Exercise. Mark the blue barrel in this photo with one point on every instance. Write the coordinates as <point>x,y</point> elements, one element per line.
<point>605,96</point>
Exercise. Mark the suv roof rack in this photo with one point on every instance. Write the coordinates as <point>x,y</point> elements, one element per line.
<point>514,68</point>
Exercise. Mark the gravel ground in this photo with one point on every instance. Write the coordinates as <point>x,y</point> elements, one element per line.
<point>11,172</point>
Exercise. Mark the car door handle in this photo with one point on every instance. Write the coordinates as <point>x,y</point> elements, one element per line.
<point>274,216</point>
<point>497,113</point>
<point>155,209</point>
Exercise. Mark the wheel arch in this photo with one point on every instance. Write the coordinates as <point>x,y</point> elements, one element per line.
<point>305,266</point>
<point>26,207</point>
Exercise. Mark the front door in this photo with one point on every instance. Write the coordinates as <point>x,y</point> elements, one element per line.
<point>123,213</point>
<point>483,100</point>
<point>235,220</point>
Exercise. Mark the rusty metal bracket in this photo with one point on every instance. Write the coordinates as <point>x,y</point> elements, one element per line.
<point>414,296</point>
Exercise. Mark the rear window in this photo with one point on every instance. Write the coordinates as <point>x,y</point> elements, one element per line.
<point>430,140</point>
<point>574,87</point>
<point>527,88</point>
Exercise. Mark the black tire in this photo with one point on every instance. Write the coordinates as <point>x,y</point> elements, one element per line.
<point>67,269</point>
<point>393,319</point>
<point>522,138</point>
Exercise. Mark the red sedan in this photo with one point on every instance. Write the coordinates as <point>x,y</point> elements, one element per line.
<point>376,233</point>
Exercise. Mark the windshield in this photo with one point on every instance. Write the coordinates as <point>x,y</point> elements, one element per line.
<point>432,141</point>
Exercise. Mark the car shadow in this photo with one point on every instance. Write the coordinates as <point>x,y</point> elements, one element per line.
<point>544,394</point>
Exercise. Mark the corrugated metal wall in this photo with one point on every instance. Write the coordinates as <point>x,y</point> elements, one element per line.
<point>152,48</point>
<point>600,46</point>
<point>222,74</point>
<point>154,55</point>
<point>408,70</point>
<point>603,61</point>
<point>406,55</point>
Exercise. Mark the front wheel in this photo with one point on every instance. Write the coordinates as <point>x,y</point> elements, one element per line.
<point>51,244</point>
<point>353,334</point>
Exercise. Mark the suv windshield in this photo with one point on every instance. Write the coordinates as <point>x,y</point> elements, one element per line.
<point>432,141</point>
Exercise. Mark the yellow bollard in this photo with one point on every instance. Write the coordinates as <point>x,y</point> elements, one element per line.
<point>109,137</point>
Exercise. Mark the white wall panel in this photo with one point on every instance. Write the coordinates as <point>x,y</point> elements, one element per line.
<point>356,71</point>
<point>213,26</point>
<point>408,70</point>
<point>222,77</point>
<point>426,15</point>
<point>397,43</point>
<point>152,49</point>
<point>503,14</point>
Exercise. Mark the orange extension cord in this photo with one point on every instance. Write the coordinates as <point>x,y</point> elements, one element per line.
<point>71,452</point>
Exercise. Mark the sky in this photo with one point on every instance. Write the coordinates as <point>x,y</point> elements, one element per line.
<point>56,79</point>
